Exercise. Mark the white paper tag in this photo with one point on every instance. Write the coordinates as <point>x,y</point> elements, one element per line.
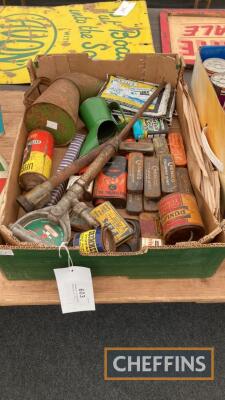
<point>213,158</point>
<point>125,8</point>
<point>52,124</point>
<point>151,242</point>
<point>75,289</point>
<point>6,252</point>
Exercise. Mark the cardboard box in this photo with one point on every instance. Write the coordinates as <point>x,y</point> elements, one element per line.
<point>186,260</point>
<point>210,111</point>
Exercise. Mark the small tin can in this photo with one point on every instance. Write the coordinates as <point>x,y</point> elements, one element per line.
<point>150,225</point>
<point>168,174</point>
<point>108,217</point>
<point>134,203</point>
<point>177,150</point>
<point>37,159</point>
<point>183,181</point>
<point>152,187</point>
<point>180,218</point>
<point>97,240</point>
<point>214,65</point>
<point>132,244</point>
<point>160,145</point>
<point>111,182</point>
<point>218,81</point>
<point>135,172</point>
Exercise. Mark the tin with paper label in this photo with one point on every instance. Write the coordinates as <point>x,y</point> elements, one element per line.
<point>180,218</point>
<point>37,159</point>
<point>94,241</point>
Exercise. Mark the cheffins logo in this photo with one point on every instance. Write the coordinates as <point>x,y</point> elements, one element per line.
<point>23,36</point>
<point>159,363</point>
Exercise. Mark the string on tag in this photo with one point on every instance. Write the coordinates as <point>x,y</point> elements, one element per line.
<point>70,261</point>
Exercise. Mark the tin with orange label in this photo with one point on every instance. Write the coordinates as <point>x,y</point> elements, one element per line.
<point>177,150</point>
<point>37,159</point>
<point>180,218</point>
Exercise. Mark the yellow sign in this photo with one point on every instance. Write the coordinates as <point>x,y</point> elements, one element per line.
<point>94,28</point>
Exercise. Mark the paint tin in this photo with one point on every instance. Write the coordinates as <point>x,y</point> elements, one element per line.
<point>97,240</point>
<point>111,182</point>
<point>180,218</point>
<point>177,150</point>
<point>108,217</point>
<point>218,81</point>
<point>37,159</point>
<point>214,65</point>
<point>135,179</point>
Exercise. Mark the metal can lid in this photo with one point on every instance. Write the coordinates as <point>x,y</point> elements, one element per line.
<point>214,65</point>
<point>218,80</point>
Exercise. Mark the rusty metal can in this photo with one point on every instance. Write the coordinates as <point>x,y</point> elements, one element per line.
<point>37,159</point>
<point>183,181</point>
<point>180,218</point>
<point>135,172</point>
<point>152,187</point>
<point>218,81</point>
<point>177,150</point>
<point>168,174</point>
<point>150,225</point>
<point>97,240</point>
<point>214,65</point>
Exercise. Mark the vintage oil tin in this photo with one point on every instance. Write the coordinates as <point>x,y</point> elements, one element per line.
<point>183,181</point>
<point>108,217</point>
<point>135,179</point>
<point>111,183</point>
<point>180,218</point>
<point>144,128</point>
<point>152,187</point>
<point>218,81</point>
<point>214,65</point>
<point>134,203</point>
<point>168,174</point>
<point>132,244</point>
<point>37,159</point>
<point>177,150</point>
<point>94,241</point>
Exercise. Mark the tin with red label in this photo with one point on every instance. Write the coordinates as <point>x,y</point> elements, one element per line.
<point>111,183</point>
<point>37,159</point>
<point>180,218</point>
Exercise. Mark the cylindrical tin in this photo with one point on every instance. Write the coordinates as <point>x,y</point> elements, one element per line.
<point>214,65</point>
<point>218,81</point>
<point>180,218</point>
<point>94,241</point>
<point>37,159</point>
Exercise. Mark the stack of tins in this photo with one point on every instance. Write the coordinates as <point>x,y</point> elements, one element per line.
<point>215,67</point>
<point>142,197</point>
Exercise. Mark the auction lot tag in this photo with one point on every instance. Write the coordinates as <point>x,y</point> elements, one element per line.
<point>75,289</point>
